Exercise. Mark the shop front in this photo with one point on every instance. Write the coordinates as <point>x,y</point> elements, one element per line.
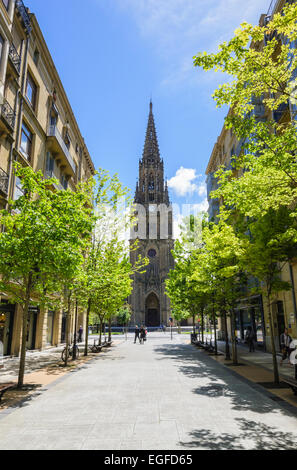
<point>7,312</point>
<point>250,314</point>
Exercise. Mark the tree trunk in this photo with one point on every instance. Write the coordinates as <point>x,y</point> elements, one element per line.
<point>194,331</point>
<point>215,334</point>
<point>75,332</point>
<point>202,326</point>
<point>24,332</point>
<point>233,337</point>
<point>67,329</point>
<point>100,332</point>
<point>273,350</point>
<point>87,328</point>
<point>227,352</point>
<point>109,329</point>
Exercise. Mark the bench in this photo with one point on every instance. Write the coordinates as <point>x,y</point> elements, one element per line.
<point>291,382</point>
<point>96,348</point>
<point>209,347</point>
<point>4,388</point>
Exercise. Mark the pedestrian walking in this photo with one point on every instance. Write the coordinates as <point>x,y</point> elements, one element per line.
<point>142,335</point>
<point>136,334</point>
<point>80,334</point>
<point>285,341</point>
<point>250,337</point>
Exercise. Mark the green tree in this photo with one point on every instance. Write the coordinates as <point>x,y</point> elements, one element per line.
<point>123,316</point>
<point>261,61</point>
<point>272,243</point>
<point>42,244</point>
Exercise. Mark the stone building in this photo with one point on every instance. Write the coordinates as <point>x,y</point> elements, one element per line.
<point>154,233</point>
<point>252,309</point>
<point>37,129</point>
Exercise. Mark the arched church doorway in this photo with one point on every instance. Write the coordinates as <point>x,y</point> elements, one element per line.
<point>152,310</point>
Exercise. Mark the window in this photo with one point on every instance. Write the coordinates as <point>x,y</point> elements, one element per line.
<point>26,142</point>
<point>6,4</point>
<point>18,192</point>
<point>152,253</point>
<point>53,120</point>
<point>50,164</point>
<point>31,91</point>
<point>64,181</point>
<point>67,140</point>
<point>36,57</point>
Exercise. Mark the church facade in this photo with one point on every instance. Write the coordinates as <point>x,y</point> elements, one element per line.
<point>154,234</point>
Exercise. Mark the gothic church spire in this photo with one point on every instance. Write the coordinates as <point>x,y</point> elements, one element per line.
<point>151,153</point>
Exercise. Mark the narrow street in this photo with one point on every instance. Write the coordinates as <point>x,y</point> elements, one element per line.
<point>161,395</point>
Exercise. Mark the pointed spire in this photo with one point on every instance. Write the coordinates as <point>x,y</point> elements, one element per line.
<point>151,146</point>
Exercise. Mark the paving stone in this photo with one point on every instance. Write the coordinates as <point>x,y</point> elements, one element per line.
<point>168,395</point>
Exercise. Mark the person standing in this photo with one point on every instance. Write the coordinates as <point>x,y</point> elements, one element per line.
<point>285,341</point>
<point>250,336</point>
<point>136,334</point>
<point>142,335</point>
<point>80,334</point>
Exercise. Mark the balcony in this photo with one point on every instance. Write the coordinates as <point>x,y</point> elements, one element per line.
<point>59,148</point>
<point>49,175</point>
<point>8,115</point>
<point>15,58</point>
<point>22,10</point>
<point>3,183</point>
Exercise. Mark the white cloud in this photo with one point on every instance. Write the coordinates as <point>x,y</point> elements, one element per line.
<point>201,207</point>
<point>185,182</point>
<point>178,29</point>
<point>202,189</point>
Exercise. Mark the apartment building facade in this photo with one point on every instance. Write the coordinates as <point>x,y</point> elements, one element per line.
<point>252,309</point>
<point>37,128</point>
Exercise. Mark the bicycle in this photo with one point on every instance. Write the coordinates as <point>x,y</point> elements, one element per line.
<point>68,352</point>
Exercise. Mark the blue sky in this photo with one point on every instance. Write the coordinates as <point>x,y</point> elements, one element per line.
<point>113,55</point>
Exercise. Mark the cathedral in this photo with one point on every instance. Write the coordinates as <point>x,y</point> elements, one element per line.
<point>154,232</point>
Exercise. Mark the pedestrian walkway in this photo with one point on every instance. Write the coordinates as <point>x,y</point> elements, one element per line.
<point>36,360</point>
<point>260,359</point>
<point>165,394</point>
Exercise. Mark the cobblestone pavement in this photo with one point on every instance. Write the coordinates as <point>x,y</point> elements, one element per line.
<point>161,395</point>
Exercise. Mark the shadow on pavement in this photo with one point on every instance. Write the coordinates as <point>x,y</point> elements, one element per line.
<point>21,398</point>
<point>258,436</point>
<point>222,382</point>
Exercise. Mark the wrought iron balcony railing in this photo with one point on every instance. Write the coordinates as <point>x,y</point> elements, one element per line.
<point>3,182</point>
<point>8,114</point>
<point>14,57</point>
<point>24,15</point>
